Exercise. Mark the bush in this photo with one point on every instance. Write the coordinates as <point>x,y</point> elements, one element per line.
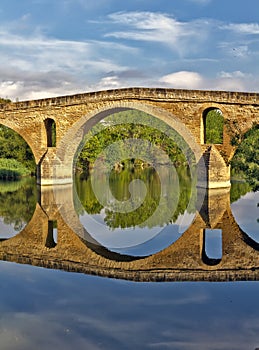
<point>11,169</point>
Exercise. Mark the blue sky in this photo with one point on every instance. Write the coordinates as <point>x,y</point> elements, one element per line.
<point>60,47</point>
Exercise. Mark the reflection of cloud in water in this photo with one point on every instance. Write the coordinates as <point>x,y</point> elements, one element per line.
<point>7,230</point>
<point>137,240</point>
<point>184,221</point>
<point>246,213</point>
<point>116,238</point>
<point>46,309</point>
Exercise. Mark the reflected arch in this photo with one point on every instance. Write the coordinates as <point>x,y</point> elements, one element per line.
<point>248,219</point>
<point>245,193</point>
<point>211,252</point>
<point>79,232</point>
<point>180,261</point>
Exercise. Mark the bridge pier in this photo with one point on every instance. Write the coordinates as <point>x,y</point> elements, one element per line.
<point>53,171</point>
<point>212,204</point>
<point>213,172</point>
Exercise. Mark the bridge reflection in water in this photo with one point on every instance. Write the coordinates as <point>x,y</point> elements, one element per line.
<point>185,260</point>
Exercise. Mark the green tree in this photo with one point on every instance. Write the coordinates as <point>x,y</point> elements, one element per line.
<point>245,163</point>
<point>214,122</point>
<point>14,147</point>
<point>4,100</point>
<point>127,125</point>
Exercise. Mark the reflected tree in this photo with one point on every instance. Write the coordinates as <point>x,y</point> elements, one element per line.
<point>154,201</point>
<point>17,202</point>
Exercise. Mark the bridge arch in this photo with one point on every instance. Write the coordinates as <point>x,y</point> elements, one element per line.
<point>71,141</point>
<point>203,112</point>
<point>23,133</point>
<point>240,111</point>
<point>70,144</point>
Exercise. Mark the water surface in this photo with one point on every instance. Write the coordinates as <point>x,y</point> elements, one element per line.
<point>51,309</point>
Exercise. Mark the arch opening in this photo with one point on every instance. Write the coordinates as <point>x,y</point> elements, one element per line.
<point>50,127</point>
<point>213,123</point>
<point>18,191</point>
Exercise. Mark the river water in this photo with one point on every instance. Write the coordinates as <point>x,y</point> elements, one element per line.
<point>52,309</point>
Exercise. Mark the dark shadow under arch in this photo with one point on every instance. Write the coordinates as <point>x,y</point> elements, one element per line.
<point>50,127</point>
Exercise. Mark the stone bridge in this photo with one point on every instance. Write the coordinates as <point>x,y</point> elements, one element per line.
<point>184,260</point>
<point>183,110</point>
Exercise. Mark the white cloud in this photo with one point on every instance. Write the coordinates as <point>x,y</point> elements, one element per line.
<point>243,28</point>
<point>33,65</point>
<point>228,85</point>
<point>111,82</point>
<point>236,74</point>
<point>53,84</point>
<point>236,81</point>
<point>28,90</point>
<point>47,54</point>
<point>45,67</point>
<point>228,81</point>
<point>183,80</point>
<point>162,28</point>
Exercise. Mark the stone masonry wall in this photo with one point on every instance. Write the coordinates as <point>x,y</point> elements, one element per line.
<point>182,109</point>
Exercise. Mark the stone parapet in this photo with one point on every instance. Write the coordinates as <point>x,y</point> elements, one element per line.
<point>141,93</point>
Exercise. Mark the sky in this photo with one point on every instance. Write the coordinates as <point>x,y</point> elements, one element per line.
<point>61,47</point>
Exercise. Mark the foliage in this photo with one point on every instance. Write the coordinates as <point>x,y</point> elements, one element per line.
<point>154,200</point>
<point>16,157</point>
<point>238,189</point>
<point>4,100</point>
<point>214,127</point>
<point>128,125</point>
<point>245,163</point>
<point>17,205</point>
<point>12,186</point>
<point>11,169</point>
<point>13,146</point>
<point>86,195</point>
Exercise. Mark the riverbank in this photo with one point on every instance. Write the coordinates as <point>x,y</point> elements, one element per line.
<point>11,169</point>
